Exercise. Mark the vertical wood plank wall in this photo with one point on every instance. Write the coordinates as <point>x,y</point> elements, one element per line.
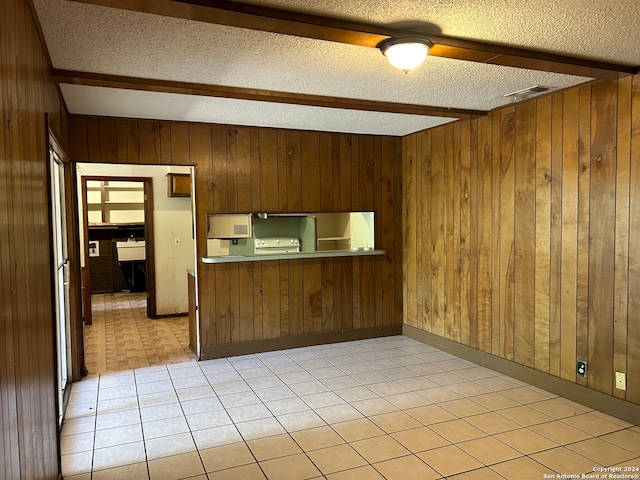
<point>532,251</point>
<point>28,433</point>
<point>247,169</point>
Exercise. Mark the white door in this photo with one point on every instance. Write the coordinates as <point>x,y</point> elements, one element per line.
<point>61,265</point>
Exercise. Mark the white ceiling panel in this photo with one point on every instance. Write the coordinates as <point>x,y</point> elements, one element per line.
<point>103,40</point>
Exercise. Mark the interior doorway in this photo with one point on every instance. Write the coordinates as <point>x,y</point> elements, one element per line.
<point>131,326</point>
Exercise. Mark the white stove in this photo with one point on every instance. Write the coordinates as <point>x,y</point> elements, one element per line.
<point>275,245</point>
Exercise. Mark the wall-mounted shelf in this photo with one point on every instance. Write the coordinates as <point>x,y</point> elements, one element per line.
<point>115,202</point>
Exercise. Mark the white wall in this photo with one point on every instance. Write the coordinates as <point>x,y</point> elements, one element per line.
<point>171,220</point>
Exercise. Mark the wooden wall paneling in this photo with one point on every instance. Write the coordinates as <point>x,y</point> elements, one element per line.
<point>246,297</point>
<point>336,169</point>
<point>543,235</point>
<point>455,239</point>
<point>484,202</point>
<point>345,266</point>
<point>355,173</point>
<point>293,176</point>
<point>584,180</point>
<point>345,172</point>
<point>568,281</point>
<point>285,319</point>
<point>235,298</point>
<point>621,272</point>
<point>231,159</point>
<point>465,230</point>
<point>602,236</point>
<point>312,291</point>
<point>473,238</point>
<point>149,142</point>
<point>325,154</point>
<point>221,168</point>
<point>524,234</point>
<point>165,142</point>
<point>495,237</point>
<point>449,223</point>
<point>296,298</point>
<point>78,144</point>
<point>385,219</point>
<point>425,315</point>
<point>366,164</point>
<point>328,318</point>
<point>93,139</point>
<point>409,216</point>
<point>256,171</point>
<point>378,207</point>
<point>555,248</point>
<point>133,142</point>
<point>268,171</point>
<point>180,143</point>
<point>270,305</point>
<point>397,215</point>
<point>243,169</point>
<point>437,230</point>
<point>258,301</point>
<point>367,202</point>
<point>201,156</point>
<point>633,303</point>
<point>122,147</point>
<point>420,212</point>
<point>356,291</point>
<point>310,165</point>
<point>507,181</point>
<point>283,169</point>
<point>108,140</point>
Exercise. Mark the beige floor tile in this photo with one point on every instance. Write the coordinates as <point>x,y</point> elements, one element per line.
<point>592,424</point>
<point>294,467</point>
<point>449,460</point>
<point>525,416</point>
<point>357,429</point>
<point>495,401</point>
<point>244,472</point>
<point>136,471</point>
<point>524,395</point>
<point>602,452</point>
<point>480,474</point>
<point>556,408</point>
<point>439,394</point>
<point>76,463</point>
<point>226,456</point>
<point>463,407</point>
<point>378,449</point>
<point>489,450</point>
<point>273,447</point>
<point>627,439</point>
<point>522,468</point>
<point>560,432</point>
<point>563,460</point>
<point>316,438</point>
<point>176,467</point>
<point>84,476</point>
<point>118,455</point>
<point>492,423</point>
<point>336,459</point>
<point>430,414</point>
<point>293,422</point>
<point>457,431</point>
<point>395,421</point>
<point>374,406</point>
<point>469,389</point>
<point>420,439</point>
<point>360,473</point>
<point>170,445</point>
<point>408,467</point>
<point>80,442</point>
<point>526,441</point>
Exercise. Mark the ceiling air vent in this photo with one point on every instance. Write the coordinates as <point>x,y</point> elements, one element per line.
<point>526,92</point>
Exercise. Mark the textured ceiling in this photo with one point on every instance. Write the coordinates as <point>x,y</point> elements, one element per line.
<point>97,39</point>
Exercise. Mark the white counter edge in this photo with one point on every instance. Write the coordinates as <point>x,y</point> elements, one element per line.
<point>289,256</point>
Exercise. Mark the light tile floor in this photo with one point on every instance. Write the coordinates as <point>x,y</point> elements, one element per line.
<point>388,408</point>
<point>123,337</point>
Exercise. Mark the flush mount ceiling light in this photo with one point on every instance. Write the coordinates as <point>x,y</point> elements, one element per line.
<point>405,53</point>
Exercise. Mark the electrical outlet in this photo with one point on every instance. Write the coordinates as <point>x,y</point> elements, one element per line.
<point>582,368</point>
<point>621,381</point>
